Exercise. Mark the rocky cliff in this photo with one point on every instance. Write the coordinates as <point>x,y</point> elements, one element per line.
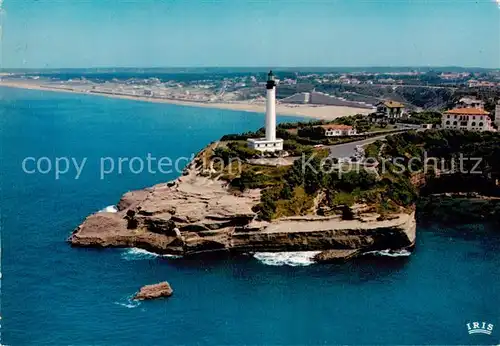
<point>195,214</point>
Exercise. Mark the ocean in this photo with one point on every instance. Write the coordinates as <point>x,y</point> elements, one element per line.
<point>52,294</point>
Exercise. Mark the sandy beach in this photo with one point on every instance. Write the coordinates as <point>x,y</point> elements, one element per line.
<point>322,112</point>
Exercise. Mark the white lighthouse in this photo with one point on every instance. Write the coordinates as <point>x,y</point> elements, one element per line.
<point>270,143</point>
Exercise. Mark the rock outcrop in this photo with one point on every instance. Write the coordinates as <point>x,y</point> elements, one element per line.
<point>159,290</point>
<point>195,214</point>
<point>333,256</point>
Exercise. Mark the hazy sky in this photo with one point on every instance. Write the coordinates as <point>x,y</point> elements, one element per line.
<point>176,33</point>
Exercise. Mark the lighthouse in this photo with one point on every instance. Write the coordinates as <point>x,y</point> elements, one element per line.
<point>270,142</point>
<point>271,107</point>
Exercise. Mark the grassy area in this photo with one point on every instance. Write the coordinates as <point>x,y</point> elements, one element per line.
<point>299,137</point>
<point>293,190</point>
<point>373,149</point>
<point>378,128</point>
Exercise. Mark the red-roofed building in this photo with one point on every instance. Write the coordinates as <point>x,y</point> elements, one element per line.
<point>472,119</point>
<point>335,130</point>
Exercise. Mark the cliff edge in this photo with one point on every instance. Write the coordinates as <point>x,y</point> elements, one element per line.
<point>195,214</point>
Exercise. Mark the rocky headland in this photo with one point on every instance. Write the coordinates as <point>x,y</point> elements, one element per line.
<point>196,214</point>
<point>296,208</point>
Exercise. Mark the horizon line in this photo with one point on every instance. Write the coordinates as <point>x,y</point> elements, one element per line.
<point>265,68</point>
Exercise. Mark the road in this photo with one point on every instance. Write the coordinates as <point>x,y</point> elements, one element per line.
<point>349,149</point>
<point>336,151</point>
<point>415,86</point>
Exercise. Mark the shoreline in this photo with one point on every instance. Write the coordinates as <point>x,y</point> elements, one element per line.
<point>319,112</point>
<point>196,216</point>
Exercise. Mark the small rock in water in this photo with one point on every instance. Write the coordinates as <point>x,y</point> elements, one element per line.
<point>159,290</point>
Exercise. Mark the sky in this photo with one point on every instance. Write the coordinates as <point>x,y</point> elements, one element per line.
<point>250,33</point>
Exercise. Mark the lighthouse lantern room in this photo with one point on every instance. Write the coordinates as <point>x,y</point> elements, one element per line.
<point>270,142</point>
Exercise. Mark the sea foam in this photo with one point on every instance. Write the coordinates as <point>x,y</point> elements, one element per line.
<point>129,303</point>
<point>109,209</point>
<point>293,259</point>
<point>305,258</point>
<point>135,254</point>
<point>389,253</point>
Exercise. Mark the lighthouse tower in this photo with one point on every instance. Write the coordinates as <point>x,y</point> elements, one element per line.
<point>270,143</point>
<point>270,107</point>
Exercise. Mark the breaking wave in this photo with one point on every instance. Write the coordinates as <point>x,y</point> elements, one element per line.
<point>129,303</point>
<point>389,253</point>
<point>305,258</point>
<point>293,259</point>
<point>109,209</point>
<point>135,254</point>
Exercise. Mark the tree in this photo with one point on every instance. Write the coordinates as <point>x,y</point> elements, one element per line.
<point>362,126</point>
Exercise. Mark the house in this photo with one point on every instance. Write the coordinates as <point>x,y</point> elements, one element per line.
<point>452,76</point>
<point>472,119</point>
<point>378,118</point>
<point>335,130</point>
<point>470,102</point>
<point>475,83</point>
<point>390,109</point>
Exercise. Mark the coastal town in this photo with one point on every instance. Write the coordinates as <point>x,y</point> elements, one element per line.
<point>249,172</point>
<point>281,165</point>
<point>342,120</point>
<point>467,99</point>
<point>283,199</point>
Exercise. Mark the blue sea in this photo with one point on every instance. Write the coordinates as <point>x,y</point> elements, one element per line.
<point>52,294</point>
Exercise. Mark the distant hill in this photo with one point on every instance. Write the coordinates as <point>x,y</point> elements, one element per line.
<point>253,70</point>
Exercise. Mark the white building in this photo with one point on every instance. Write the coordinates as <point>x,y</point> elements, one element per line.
<point>470,102</point>
<point>270,142</point>
<point>335,130</point>
<point>472,119</point>
<point>391,109</point>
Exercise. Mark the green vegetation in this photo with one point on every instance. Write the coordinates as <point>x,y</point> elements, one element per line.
<point>419,96</point>
<point>333,191</point>
<point>358,121</point>
<point>298,203</point>
<point>452,174</point>
<point>301,137</point>
<point>425,98</point>
<point>315,185</point>
<point>449,144</point>
<point>255,176</point>
<point>457,210</point>
<point>295,148</point>
<point>373,149</point>
<point>420,118</point>
<point>235,149</point>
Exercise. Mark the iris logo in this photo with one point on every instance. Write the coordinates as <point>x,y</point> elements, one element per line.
<point>479,328</point>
